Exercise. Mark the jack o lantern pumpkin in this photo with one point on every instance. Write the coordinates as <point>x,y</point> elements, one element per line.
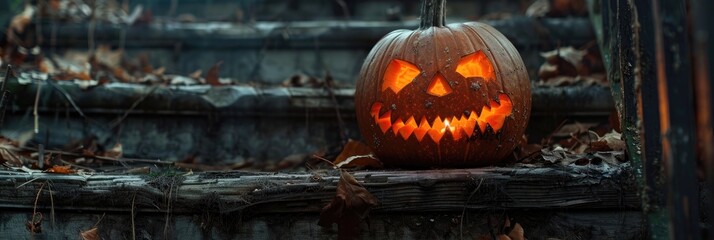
<point>443,95</point>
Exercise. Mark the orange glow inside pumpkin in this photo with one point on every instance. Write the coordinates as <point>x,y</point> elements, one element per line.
<point>439,87</point>
<point>398,75</point>
<point>493,115</point>
<point>476,65</point>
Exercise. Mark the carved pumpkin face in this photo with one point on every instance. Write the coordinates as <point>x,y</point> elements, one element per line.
<point>456,95</point>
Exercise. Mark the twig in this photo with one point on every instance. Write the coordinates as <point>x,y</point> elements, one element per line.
<point>340,123</point>
<point>168,210</point>
<point>325,160</point>
<point>52,205</point>
<point>90,29</point>
<point>5,94</point>
<point>133,225</point>
<point>41,156</point>
<point>34,110</point>
<point>173,7</point>
<point>100,219</point>
<point>77,166</point>
<point>25,183</point>
<point>38,26</point>
<point>136,103</point>
<point>68,97</point>
<point>345,9</point>
<point>34,209</point>
<point>463,212</point>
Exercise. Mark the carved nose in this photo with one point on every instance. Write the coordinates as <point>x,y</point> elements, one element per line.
<point>438,86</point>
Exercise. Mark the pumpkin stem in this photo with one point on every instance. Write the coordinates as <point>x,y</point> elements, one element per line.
<point>432,13</point>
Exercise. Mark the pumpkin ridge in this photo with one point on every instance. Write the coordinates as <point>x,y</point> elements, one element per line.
<point>513,62</point>
<point>521,89</point>
<point>475,48</point>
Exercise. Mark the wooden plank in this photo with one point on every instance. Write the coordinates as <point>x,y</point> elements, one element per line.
<point>240,100</point>
<point>702,38</point>
<point>442,225</point>
<point>524,32</point>
<point>626,39</point>
<point>607,187</point>
<point>677,117</point>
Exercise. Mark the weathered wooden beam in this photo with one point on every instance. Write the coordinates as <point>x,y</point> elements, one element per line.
<point>199,100</point>
<point>572,224</point>
<point>587,187</point>
<point>524,32</point>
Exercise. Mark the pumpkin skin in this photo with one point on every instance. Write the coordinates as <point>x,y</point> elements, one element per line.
<point>468,74</point>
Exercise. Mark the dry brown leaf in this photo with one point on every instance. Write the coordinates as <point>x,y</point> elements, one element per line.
<point>159,71</point>
<point>573,128</point>
<point>115,152</point>
<point>196,74</point>
<point>348,208</point>
<point>145,63</point>
<point>20,21</point>
<point>106,56</point>
<point>611,141</point>
<point>517,233</point>
<point>356,154</point>
<point>212,76</point>
<point>538,8</point>
<point>503,237</point>
<point>568,7</point>
<point>362,161</point>
<point>90,234</point>
<point>61,169</point>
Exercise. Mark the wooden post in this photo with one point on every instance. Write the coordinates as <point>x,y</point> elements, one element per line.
<point>677,117</point>
<point>646,53</point>
<point>703,61</point>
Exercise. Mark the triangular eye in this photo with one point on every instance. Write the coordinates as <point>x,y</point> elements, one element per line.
<point>438,86</point>
<point>399,74</point>
<point>476,65</point>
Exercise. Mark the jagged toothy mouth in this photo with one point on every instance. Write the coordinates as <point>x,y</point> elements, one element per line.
<point>493,116</point>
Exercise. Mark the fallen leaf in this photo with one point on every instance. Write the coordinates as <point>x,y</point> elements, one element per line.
<point>367,161</point>
<point>115,152</point>
<point>538,8</point>
<point>503,237</point>
<point>517,233</point>
<point>196,74</point>
<point>356,154</point>
<point>212,76</point>
<point>34,225</point>
<point>106,56</point>
<point>90,234</point>
<point>573,128</point>
<point>614,141</point>
<point>348,208</point>
<point>20,21</point>
<point>61,169</point>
